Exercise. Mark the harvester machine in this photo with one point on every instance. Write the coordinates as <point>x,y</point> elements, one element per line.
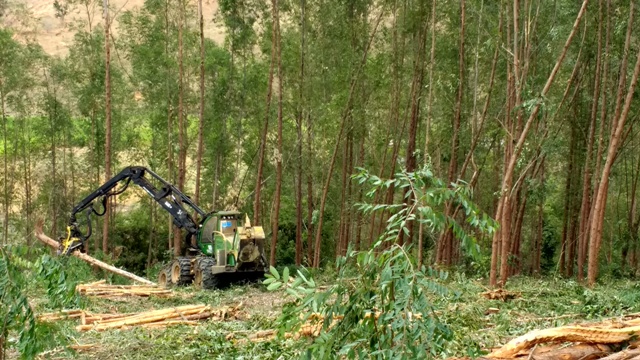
<point>221,249</point>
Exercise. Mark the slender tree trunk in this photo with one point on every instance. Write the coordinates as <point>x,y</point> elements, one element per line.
<point>182,146</point>
<point>53,114</point>
<point>427,131</point>
<point>416,96</point>
<point>276,213</point>
<point>585,203</point>
<point>169,118</point>
<point>201,114</point>
<point>299,117</point>
<point>263,134</point>
<point>152,235</point>
<point>107,107</point>
<point>568,197</point>
<point>446,238</point>
<point>340,244</point>
<point>310,205</point>
<point>26,176</point>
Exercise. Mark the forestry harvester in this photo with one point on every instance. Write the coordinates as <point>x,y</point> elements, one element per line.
<point>220,249</point>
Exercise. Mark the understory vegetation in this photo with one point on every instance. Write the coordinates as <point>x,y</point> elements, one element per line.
<point>467,323</point>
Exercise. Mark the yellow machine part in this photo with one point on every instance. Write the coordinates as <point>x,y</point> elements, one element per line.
<point>66,243</point>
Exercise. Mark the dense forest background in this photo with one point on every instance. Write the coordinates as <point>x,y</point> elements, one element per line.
<point>533,104</point>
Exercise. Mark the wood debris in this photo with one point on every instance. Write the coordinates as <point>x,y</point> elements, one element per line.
<point>101,289</point>
<point>609,340</point>
<point>311,328</point>
<point>499,294</point>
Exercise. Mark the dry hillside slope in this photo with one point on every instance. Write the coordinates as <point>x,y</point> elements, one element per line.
<point>36,20</point>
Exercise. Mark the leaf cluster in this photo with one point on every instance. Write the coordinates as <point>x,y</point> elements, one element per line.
<point>15,311</point>
<point>425,200</point>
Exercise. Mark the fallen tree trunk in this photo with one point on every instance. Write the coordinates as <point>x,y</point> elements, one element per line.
<point>99,289</point>
<point>91,260</point>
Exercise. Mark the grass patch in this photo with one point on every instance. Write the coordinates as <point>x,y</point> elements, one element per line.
<point>542,303</point>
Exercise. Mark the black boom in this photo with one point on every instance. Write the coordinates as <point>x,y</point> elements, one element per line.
<point>168,196</point>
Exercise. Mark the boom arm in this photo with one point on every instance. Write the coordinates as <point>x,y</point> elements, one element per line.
<point>168,196</point>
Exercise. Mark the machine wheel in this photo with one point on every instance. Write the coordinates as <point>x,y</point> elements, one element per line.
<point>164,277</point>
<point>181,271</point>
<point>203,277</point>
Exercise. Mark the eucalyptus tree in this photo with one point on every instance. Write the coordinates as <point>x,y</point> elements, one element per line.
<point>10,77</point>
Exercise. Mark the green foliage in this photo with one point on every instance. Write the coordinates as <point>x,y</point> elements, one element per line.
<point>15,311</point>
<point>381,305</point>
<point>424,199</point>
<point>60,287</point>
<point>385,312</point>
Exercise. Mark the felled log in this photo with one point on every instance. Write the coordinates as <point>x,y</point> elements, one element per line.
<point>565,334</point>
<point>91,260</point>
<point>106,290</point>
<point>181,315</point>
<point>61,315</point>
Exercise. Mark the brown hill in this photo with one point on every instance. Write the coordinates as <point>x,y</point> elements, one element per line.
<point>36,20</point>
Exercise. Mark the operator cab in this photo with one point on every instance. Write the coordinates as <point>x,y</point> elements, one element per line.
<point>219,232</point>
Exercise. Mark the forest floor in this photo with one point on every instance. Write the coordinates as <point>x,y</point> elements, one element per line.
<point>477,324</point>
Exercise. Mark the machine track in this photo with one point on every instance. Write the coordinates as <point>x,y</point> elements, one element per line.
<point>203,276</point>
<point>181,271</point>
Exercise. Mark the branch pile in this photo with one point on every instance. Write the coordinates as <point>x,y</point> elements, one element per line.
<point>181,315</point>
<point>311,328</point>
<point>609,340</point>
<point>101,289</point>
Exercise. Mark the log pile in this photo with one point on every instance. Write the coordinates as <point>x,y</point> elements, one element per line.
<point>181,315</point>
<point>616,339</point>
<point>101,289</point>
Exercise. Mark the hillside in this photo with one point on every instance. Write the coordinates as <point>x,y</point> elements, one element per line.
<point>36,20</point>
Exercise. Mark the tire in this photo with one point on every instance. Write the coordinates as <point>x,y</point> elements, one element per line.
<point>181,271</point>
<point>164,277</point>
<point>203,277</point>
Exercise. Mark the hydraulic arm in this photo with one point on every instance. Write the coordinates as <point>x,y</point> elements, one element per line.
<point>167,195</point>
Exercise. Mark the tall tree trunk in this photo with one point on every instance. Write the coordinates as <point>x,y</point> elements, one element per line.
<point>445,241</point>
<point>53,114</point>
<point>310,205</point>
<point>416,96</point>
<point>427,130</point>
<point>585,204</point>
<point>26,163</point>
<point>340,244</point>
<point>299,117</point>
<point>510,163</point>
<point>276,212</point>
<point>107,108</point>
<point>182,146</point>
<point>568,197</point>
<point>617,128</point>
<point>169,117</point>
<point>263,135</point>
<point>201,114</point>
